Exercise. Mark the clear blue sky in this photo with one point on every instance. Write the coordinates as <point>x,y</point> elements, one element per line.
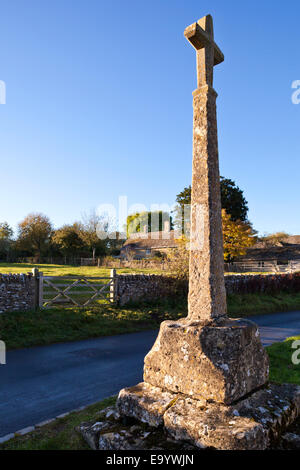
<point>99,104</point>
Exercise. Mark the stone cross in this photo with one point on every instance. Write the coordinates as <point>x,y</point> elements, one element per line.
<point>206,359</point>
<point>207,296</point>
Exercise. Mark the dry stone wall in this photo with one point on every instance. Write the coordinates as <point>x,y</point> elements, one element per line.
<point>148,287</point>
<point>17,292</point>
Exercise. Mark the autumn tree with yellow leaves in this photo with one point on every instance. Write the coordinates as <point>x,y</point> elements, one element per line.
<point>178,259</point>
<point>237,237</point>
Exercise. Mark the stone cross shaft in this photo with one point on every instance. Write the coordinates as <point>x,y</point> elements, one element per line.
<point>207,296</point>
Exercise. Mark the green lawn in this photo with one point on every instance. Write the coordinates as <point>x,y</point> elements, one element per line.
<point>61,434</point>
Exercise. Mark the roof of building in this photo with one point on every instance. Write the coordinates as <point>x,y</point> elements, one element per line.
<point>292,239</point>
<point>280,253</point>
<point>286,249</point>
<point>152,240</point>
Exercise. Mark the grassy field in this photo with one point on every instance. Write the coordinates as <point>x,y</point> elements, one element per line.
<point>59,270</point>
<point>61,434</point>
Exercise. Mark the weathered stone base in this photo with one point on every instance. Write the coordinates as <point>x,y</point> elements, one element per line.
<point>145,403</point>
<point>221,362</point>
<point>111,432</point>
<point>255,422</point>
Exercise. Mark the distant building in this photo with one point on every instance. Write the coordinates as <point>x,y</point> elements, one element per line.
<point>149,244</point>
<point>283,251</point>
<point>282,256</point>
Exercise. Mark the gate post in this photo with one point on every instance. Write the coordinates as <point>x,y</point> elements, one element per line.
<point>35,273</point>
<point>41,290</point>
<point>38,288</point>
<point>113,297</point>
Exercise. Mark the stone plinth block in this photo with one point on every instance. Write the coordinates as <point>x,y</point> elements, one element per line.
<point>254,423</point>
<point>110,432</point>
<point>222,363</point>
<point>145,403</point>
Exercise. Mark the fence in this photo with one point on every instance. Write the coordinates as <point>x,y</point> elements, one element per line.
<point>89,261</point>
<point>81,291</point>
<point>271,266</point>
<point>70,260</point>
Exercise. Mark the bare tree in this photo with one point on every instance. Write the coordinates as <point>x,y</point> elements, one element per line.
<point>92,225</point>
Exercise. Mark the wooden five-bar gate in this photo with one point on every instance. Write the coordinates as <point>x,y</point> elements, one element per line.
<point>79,291</point>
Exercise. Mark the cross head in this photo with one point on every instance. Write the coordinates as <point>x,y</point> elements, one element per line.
<point>201,36</point>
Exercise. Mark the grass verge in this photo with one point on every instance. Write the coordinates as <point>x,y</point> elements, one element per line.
<point>282,368</point>
<point>61,434</point>
<point>244,305</point>
<point>26,329</point>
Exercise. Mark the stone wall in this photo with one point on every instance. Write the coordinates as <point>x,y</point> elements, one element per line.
<point>17,292</point>
<point>148,287</point>
<point>262,283</point>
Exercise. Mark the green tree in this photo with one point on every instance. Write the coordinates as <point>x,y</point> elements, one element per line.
<point>6,241</point>
<point>68,239</point>
<point>153,220</point>
<point>34,234</point>
<point>114,243</point>
<point>232,200</point>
